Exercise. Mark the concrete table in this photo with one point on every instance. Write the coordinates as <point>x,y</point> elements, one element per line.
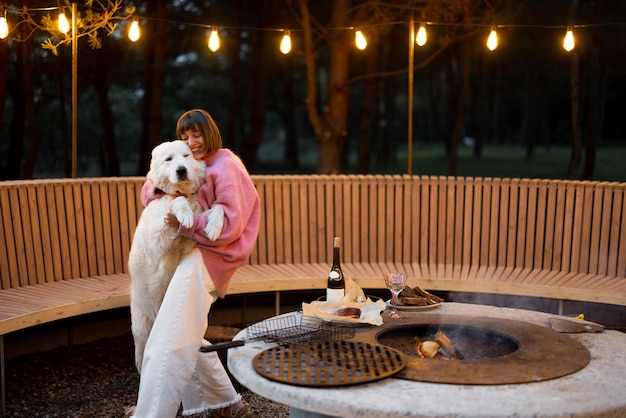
<point>598,390</point>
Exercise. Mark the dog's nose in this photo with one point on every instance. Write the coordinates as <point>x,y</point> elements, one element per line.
<point>181,173</point>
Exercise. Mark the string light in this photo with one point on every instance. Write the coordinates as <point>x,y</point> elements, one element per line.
<point>285,43</point>
<point>568,41</point>
<point>214,40</point>
<point>359,40</point>
<point>4,26</point>
<point>133,31</point>
<point>64,25</point>
<point>492,40</point>
<point>421,37</point>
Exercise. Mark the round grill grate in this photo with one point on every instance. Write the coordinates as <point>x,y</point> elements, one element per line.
<point>331,363</point>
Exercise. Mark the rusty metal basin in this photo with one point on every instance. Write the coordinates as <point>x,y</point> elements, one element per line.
<point>497,351</point>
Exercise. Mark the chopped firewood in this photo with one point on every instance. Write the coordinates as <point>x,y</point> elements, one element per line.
<point>416,296</point>
<point>440,348</point>
<point>413,300</point>
<point>427,349</point>
<point>447,347</point>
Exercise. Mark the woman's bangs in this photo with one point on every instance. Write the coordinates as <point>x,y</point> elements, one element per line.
<point>187,124</point>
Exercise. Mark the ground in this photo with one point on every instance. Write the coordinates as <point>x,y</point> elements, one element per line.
<point>96,379</point>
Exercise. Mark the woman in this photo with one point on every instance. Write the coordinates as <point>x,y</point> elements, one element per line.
<point>173,369</point>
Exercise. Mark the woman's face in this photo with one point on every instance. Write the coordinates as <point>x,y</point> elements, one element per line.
<point>194,139</point>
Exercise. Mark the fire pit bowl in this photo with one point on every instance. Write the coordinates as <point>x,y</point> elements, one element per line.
<point>493,351</point>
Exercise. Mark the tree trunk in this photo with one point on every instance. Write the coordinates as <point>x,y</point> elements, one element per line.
<point>4,63</point>
<point>330,126</point>
<point>31,120</point>
<point>366,112</point>
<point>461,106</point>
<point>259,93</point>
<point>16,136</point>
<point>593,109</point>
<point>575,158</point>
<point>288,115</point>
<point>234,102</point>
<point>110,160</point>
<point>530,129</point>
<point>153,80</point>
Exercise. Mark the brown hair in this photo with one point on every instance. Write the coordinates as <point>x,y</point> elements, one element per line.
<point>201,120</point>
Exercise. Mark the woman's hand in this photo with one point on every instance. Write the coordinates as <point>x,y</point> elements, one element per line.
<point>170,220</point>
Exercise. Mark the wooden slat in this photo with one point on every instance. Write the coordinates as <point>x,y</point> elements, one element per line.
<point>433,218</point>
<point>424,257</point>
<point>22,245</point>
<point>494,222</point>
<point>45,264</point>
<point>522,226</point>
<point>585,208</point>
<point>450,221</point>
<point>414,190</point>
<point>531,225</point>
<point>460,237</point>
<point>476,221</point>
<point>559,228</point>
<point>605,229</point>
<point>618,230</point>
<point>6,241</point>
<point>569,228</point>
<point>397,238</point>
<point>439,219</point>
<point>408,232</point>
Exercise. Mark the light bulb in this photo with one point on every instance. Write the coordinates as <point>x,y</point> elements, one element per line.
<point>133,31</point>
<point>568,41</point>
<point>285,43</point>
<point>214,41</point>
<point>4,27</point>
<point>492,40</point>
<point>360,40</point>
<point>64,25</point>
<point>421,37</point>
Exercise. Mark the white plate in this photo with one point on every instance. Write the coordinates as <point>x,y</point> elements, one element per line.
<point>414,308</point>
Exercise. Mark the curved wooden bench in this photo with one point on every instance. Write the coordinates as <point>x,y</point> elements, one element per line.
<point>64,243</point>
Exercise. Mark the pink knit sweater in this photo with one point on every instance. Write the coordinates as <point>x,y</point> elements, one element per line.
<point>228,184</point>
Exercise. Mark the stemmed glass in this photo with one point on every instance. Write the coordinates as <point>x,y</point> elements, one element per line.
<point>395,283</point>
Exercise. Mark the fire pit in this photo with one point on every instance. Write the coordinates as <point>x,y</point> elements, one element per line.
<point>489,351</point>
<point>595,390</point>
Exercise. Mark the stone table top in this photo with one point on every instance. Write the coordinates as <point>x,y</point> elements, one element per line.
<point>598,390</point>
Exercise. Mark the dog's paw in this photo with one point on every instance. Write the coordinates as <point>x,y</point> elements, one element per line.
<point>215,223</point>
<point>183,212</point>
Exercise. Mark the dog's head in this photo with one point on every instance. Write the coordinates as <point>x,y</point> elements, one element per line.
<point>174,170</point>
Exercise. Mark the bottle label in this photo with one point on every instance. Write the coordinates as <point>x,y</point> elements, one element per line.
<point>333,295</point>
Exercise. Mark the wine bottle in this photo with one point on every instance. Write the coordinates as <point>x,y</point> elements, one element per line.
<point>336,285</point>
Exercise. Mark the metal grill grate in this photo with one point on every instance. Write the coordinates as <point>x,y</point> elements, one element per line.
<point>291,329</point>
<point>330,363</point>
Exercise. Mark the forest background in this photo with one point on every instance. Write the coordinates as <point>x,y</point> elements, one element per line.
<point>326,106</point>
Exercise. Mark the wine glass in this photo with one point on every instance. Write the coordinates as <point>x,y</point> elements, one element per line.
<point>395,283</point>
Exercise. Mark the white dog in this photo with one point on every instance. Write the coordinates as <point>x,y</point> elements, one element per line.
<point>157,248</point>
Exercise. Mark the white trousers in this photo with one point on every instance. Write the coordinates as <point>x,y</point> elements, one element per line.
<point>173,368</point>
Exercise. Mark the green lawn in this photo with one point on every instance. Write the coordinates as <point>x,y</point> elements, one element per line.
<point>510,161</point>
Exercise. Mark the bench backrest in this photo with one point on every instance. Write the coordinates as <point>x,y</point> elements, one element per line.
<point>58,229</point>
<point>570,226</point>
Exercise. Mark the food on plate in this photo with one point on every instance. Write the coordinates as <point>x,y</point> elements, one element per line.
<point>348,312</point>
<point>416,296</point>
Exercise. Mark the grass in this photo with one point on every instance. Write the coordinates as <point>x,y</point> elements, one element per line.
<point>497,161</point>
<point>510,161</point>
